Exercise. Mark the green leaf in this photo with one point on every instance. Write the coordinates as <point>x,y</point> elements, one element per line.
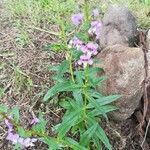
<point>93,72</point>
<point>96,80</point>
<point>76,54</point>
<point>79,76</point>
<point>52,143</point>
<point>85,138</point>
<point>94,94</point>
<point>23,133</point>
<point>97,142</point>
<point>82,36</point>
<point>78,97</point>
<point>70,104</point>
<point>65,104</point>
<point>100,133</point>
<point>73,144</point>
<point>102,110</point>
<point>3,108</point>
<point>55,47</point>
<point>85,26</point>
<point>53,68</point>
<point>61,87</point>
<point>15,113</point>
<point>40,127</point>
<point>68,122</point>
<point>60,69</point>
<point>105,100</point>
<point>63,68</point>
<point>95,104</point>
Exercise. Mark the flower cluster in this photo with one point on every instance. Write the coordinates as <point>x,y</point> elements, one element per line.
<point>77,19</point>
<point>16,139</point>
<point>96,25</point>
<point>95,29</point>
<point>88,50</point>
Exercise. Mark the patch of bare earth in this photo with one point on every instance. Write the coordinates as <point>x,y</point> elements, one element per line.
<point>25,76</point>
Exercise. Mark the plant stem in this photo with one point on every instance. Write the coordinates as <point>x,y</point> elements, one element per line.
<point>86,85</point>
<point>86,10</point>
<point>71,67</point>
<point>63,37</point>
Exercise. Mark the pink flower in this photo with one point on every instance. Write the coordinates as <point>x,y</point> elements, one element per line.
<point>75,42</point>
<point>9,125</point>
<point>34,121</point>
<point>77,19</point>
<point>16,139</point>
<point>85,60</point>
<point>25,142</point>
<point>92,48</point>
<point>12,137</point>
<point>95,28</point>
<point>28,142</point>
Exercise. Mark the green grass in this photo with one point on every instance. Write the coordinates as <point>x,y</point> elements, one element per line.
<point>42,13</point>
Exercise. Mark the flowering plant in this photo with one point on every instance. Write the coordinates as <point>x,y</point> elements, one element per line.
<point>80,127</point>
<point>84,106</point>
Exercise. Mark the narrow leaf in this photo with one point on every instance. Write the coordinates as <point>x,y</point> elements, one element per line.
<point>85,138</point>
<point>73,144</point>
<point>78,97</point>
<point>15,113</point>
<point>60,87</point>
<point>100,133</point>
<point>105,100</point>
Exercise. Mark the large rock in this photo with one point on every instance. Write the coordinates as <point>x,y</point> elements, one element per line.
<point>119,27</point>
<point>124,67</point>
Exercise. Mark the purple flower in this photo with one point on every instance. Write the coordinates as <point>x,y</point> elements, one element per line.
<point>34,121</point>
<point>25,142</point>
<point>84,48</point>
<point>95,12</point>
<point>95,28</point>
<point>9,125</point>
<point>12,137</point>
<point>21,141</point>
<point>77,19</point>
<point>85,60</point>
<point>92,48</point>
<point>29,142</point>
<point>16,139</point>
<point>75,42</point>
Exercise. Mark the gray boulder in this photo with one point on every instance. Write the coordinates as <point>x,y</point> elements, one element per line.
<point>119,27</point>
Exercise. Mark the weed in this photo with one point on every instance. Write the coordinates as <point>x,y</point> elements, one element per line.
<point>21,80</point>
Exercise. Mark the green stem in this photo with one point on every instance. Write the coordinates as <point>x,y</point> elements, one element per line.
<point>71,67</point>
<point>86,85</point>
<point>63,37</point>
<point>86,10</point>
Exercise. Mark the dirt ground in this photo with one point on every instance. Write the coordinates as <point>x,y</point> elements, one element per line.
<point>25,76</point>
